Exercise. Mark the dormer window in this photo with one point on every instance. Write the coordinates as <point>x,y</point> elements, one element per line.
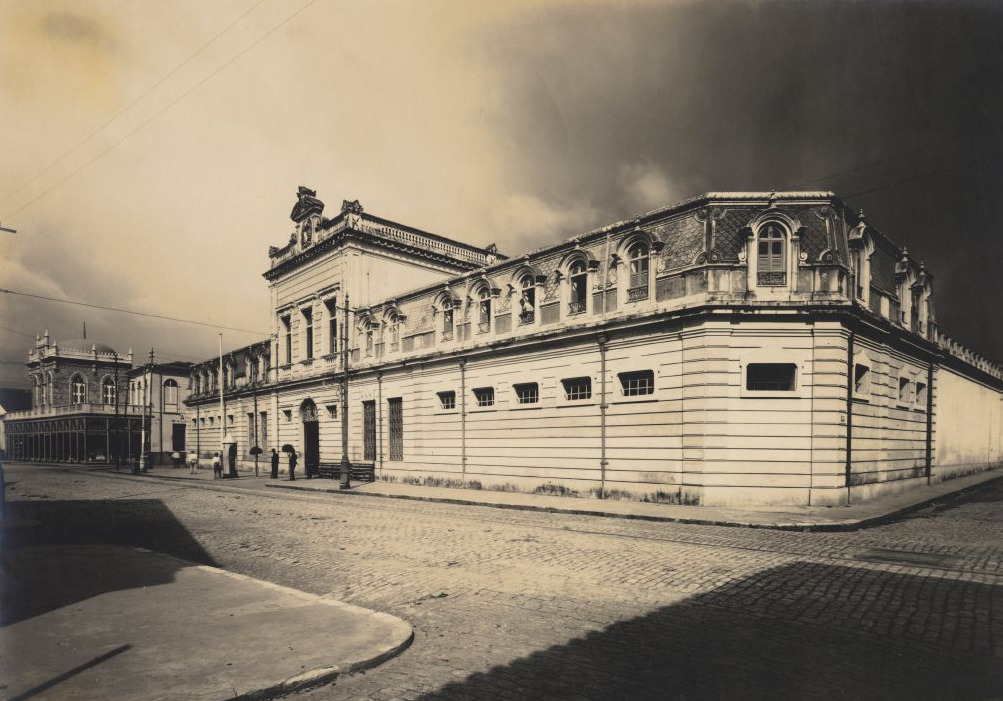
<point>527,300</point>
<point>771,256</point>
<point>578,281</point>
<point>447,320</point>
<point>638,257</point>
<point>484,311</point>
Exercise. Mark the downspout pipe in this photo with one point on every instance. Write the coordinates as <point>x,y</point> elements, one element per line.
<point>849,412</point>
<point>602,417</point>
<point>463,419</point>
<point>929,422</point>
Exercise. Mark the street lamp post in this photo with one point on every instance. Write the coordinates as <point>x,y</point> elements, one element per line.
<point>147,399</point>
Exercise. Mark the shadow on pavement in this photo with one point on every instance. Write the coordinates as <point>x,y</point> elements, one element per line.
<point>798,631</point>
<point>55,681</point>
<point>34,579</point>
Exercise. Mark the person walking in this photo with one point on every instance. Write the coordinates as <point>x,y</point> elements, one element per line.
<point>217,467</point>
<point>275,464</point>
<point>292,465</point>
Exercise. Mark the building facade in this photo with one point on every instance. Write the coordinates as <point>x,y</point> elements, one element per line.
<point>86,407</point>
<point>735,348</point>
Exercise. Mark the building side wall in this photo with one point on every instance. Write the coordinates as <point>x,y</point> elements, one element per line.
<point>969,431</point>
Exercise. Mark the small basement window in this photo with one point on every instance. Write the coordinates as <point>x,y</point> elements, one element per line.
<point>904,390</point>
<point>485,396</point>
<point>527,393</point>
<point>577,388</point>
<point>861,379</point>
<point>447,400</point>
<point>637,384</point>
<point>771,377</point>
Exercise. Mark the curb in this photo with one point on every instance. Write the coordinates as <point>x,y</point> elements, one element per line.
<point>804,527</point>
<point>322,675</point>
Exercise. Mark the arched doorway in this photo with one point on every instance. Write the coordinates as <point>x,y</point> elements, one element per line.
<point>311,438</point>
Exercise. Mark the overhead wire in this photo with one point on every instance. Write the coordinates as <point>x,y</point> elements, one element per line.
<point>169,105</point>
<point>129,106</point>
<point>133,312</point>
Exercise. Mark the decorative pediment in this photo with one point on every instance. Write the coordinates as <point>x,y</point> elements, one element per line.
<point>306,205</point>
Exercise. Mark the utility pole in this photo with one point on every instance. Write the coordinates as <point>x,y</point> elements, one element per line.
<point>147,397</point>
<point>346,479</point>
<point>116,433</point>
<point>256,449</point>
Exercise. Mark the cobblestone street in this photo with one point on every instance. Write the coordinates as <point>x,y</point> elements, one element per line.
<point>529,605</point>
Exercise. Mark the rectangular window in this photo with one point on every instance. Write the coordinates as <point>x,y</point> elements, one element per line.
<point>395,408</point>
<point>263,429</point>
<point>447,400</point>
<point>771,377</point>
<point>331,307</point>
<point>861,379</point>
<point>527,392</point>
<point>921,395</point>
<point>308,332</point>
<point>577,388</point>
<point>637,384</point>
<point>905,390</point>
<point>485,396</point>
<point>369,430</point>
<point>251,430</point>
<point>287,328</point>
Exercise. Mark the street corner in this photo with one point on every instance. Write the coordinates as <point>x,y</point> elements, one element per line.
<point>98,622</point>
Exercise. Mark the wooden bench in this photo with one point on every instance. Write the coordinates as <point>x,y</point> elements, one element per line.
<point>358,471</point>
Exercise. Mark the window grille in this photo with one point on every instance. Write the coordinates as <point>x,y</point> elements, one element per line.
<point>636,384</point>
<point>527,393</point>
<point>447,400</point>
<point>771,377</point>
<point>485,396</point>
<point>395,408</point>
<point>369,430</point>
<point>577,388</point>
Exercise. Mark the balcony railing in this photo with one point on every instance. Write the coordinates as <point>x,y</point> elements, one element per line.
<point>447,335</point>
<point>483,326</point>
<point>636,294</point>
<point>771,279</point>
<point>526,317</point>
<point>576,307</point>
<point>67,409</point>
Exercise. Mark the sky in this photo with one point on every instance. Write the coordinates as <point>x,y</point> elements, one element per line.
<point>150,151</point>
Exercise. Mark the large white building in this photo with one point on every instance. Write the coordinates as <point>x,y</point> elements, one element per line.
<point>734,348</point>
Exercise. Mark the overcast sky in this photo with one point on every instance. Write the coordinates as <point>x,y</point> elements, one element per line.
<point>150,151</point>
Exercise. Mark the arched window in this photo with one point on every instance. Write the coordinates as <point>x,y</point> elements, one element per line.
<point>447,320</point>
<point>771,260</point>
<point>638,259</point>
<point>78,390</point>
<point>370,332</point>
<point>578,281</point>
<point>170,395</point>
<point>527,299</point>
<point>484,311</point>
<point>395,334</point>
<point>107,391</point>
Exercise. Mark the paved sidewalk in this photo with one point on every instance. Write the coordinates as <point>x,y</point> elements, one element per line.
<point>808,518</point>
<point>107,622</point>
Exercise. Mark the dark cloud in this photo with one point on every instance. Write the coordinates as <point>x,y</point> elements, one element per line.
<point>755,96</point>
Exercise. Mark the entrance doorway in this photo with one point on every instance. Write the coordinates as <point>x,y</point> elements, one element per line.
<point>369,431</point>
<point>178,437</point>
<point>311,438</point>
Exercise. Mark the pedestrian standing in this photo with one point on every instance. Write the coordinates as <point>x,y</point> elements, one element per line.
<point>176,459</point>
<point>275,464</point>
<point>292,465</point>
<point>232,454</point>
<point>193,463</point>
<point>217,467</point>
